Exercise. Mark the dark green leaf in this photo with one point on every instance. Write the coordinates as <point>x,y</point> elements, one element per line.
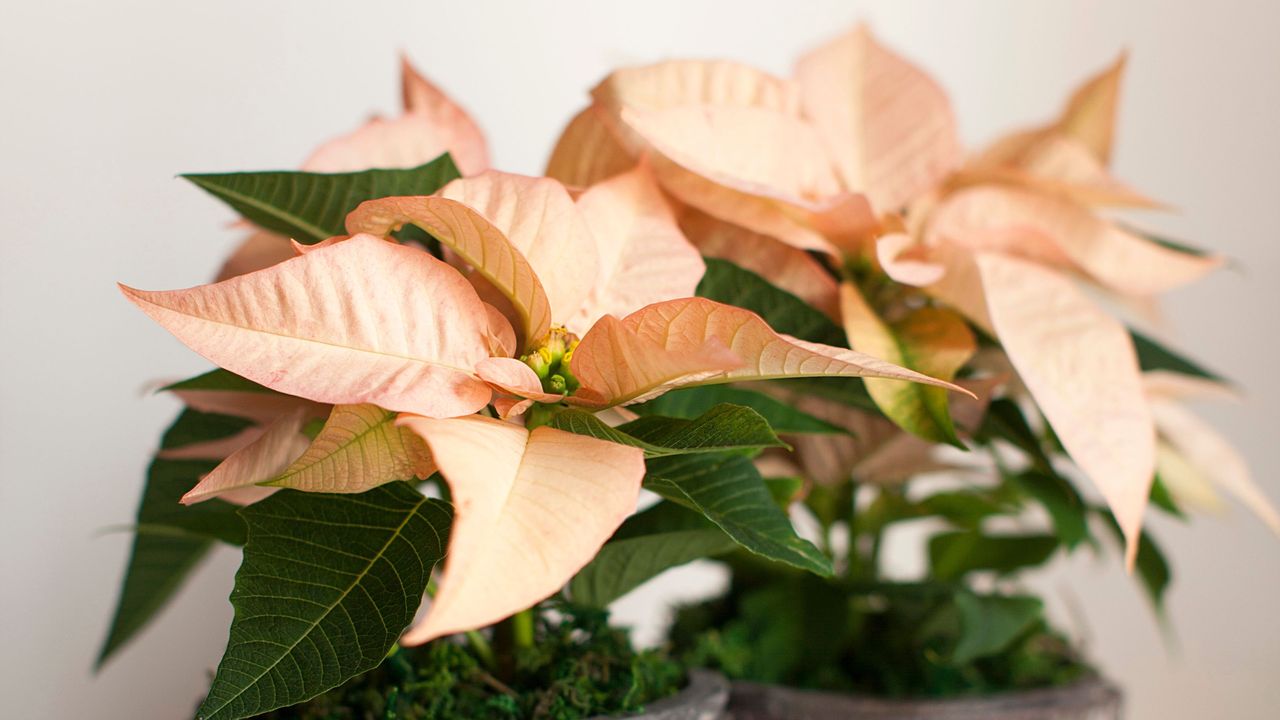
<point>796,627</point>
<point>1004,421</point>
<point>193,426</point>
<point>582,422</point>
<point>1066,508</point>
<point>692,402</point>
<point>845,390</point>
<point>327,584</point>
<point>1154,356</point>
<point>648,544</point>
<point>310,207</point>
<point>990,623</point>
<point>167,482</point>
<point>954,554</point>
<point>1163,499</point>
<point>171,539</point>
<point>727,283</point>
<point>963,508</point>
<point>784,490</point>
<point>722,428</point>
<point>158,565</point>
<point>1153,570</point>
<point>1171,244</point>
<point>728,490</point>
<point>219,379</point>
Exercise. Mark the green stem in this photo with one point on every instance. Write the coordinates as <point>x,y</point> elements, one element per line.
<point>873,560</point>
<point>538,415</point>
<point>482,649</point>
<point>853,562</point>
<point>522,628</point>
<point>477,641</point>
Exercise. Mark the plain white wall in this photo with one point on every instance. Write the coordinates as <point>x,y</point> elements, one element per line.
<point>105,102</point>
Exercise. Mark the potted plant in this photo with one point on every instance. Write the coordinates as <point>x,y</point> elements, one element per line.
<point>419,370</point>
<point>839,205</point>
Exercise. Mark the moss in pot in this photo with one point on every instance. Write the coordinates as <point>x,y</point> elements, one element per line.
<point>578,667</point>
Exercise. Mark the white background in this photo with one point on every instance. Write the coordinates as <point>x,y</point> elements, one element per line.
<point>103,103</point>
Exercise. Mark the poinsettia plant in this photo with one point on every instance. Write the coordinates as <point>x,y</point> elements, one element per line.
<point>734,296</point>
<point>845,188</point>
<point>470,337</point>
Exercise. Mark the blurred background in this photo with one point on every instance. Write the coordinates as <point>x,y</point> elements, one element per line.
<point>106,101</point>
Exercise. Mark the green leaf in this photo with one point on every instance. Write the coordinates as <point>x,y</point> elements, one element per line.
<point>1175,245</point>
<point>327,584</point>
<point>1153,570</point>
<point>728,490</point>
<point>1154,356</point>
<point>310,207</point>
<point>220,380</point>
<point>692,402</point>
<point>990,623</point>
<point>845,390</point>
<point>727,283</point>
<point>193,426</point>
<point>797,626</point>
<point>785,490</point>
<point>1066,508</point>
<point>1163,499</point>
<point>167,482</point>
<point>962,508</point>
<point>954,554</point>
<point>158,565</point>
<point>171,539</point>
<point>648,544</point>
<point>1004,421</point>
<point>722,428</point>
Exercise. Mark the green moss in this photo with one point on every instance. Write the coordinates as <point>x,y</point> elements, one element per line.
<point>577,668</point>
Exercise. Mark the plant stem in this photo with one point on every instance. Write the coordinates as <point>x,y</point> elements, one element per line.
<point>482,649</point>
<point>522,629</point>
<point>873,561</point>
<point>853,560</point>
<point>477,641</point>
<point>538,415</point>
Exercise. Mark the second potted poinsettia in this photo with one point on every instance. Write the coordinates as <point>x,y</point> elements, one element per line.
<point>839,204</point>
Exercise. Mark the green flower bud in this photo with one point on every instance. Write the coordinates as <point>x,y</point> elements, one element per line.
<point>550,361</point>
<point>539,361</point>
<point>555,384</point>
<point>566,370</point>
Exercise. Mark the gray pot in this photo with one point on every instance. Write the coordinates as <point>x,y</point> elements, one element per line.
<point>1089,699</point>
<point>704,698</point>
